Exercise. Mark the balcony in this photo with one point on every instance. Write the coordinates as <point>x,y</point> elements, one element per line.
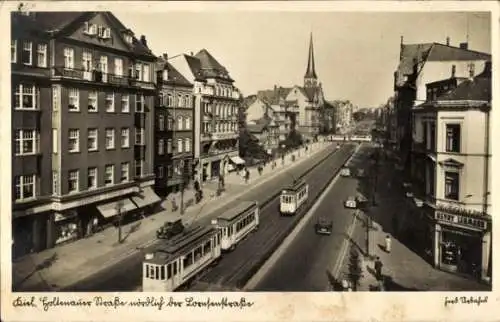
<point>207,116</point>
<point>142,84</point>
<point>236,95</point>
<point>99,77</point>
<point>206,136</point>
<point>224,135</point>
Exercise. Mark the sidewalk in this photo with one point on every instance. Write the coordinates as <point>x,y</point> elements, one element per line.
<point>403,269</point>
<point>60,267</point>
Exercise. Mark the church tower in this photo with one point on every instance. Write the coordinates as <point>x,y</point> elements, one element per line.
<point>310,78</point>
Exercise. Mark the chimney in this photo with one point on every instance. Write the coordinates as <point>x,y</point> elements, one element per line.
<point>165,56</point>
<point>191,53</point>
<point>464,45</point>
<point>447,41</point>
<point>453,71</point>
<point>472,71</point>
<point>143,41</point>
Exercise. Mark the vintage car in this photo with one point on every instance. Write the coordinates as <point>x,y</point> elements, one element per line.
<point>351,202</point>
<point>345,172</point>
<point>323,226</point>
<point>170,229</point>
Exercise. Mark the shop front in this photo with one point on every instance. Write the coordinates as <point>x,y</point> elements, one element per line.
<point>66,227</point>
<point>462,244</point>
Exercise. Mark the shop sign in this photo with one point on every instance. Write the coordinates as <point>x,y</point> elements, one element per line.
<point>461,220</point>
<point>60,216</point>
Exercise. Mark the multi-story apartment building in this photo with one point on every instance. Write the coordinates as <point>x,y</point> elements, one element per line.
<point>343,115</point>
<point>420,64</point>
<point>266,132</point>
<point>451,171</point>
<point>82,100</point>
<point>216,110</point>
<point>174,114</point>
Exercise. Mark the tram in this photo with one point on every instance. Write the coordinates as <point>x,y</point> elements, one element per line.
<point>236,223</point>
<point>176,261</point>
<point>293,198</point>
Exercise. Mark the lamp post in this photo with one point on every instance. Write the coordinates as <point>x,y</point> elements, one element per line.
<point>119,206</point>
<point>181,164</point>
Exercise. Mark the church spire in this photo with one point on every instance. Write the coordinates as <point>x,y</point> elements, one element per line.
<point>310,76</point>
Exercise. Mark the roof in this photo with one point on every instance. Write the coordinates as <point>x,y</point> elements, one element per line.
<point>311,70</point>
<point>273,96</point>
<point>210,67</point>
<point>249,100</point>
<point>174,76</point>
<point>242,207</point>
<point>412,54</point>
<point>57,21</point>
<point>477,89</point>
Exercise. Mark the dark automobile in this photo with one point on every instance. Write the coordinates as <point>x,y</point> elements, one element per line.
<point>324,226</point>
<point>170,229</point>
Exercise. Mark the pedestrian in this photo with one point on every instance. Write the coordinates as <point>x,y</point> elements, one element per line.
<point>247,176</point>
<point>388,243</point>
<point>345,285</point>
<point>378,269</point>
<point>174,204</point>
<point>95,223</point>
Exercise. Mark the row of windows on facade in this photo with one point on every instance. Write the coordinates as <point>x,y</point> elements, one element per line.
<point>453,136</point>
<point>26,185</point>
<point>181,101</point>
<point>140,71</point>
<point>220,127</point>
<point>219,90</point>
<point>26,96</point>
<point>183,123</point>
<point>223,110</point>
<point>171,170</point>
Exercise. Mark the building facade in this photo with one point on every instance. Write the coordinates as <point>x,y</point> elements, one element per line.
<point>451,172</point>
<point>216,110</point>
<point>174,129</point>
<point>343,115</point>
<point>421,64</point>
<point>83,96</point>
<point>266,132</point>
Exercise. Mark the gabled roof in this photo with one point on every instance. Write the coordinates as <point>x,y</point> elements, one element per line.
<point>477,89</point>
<point>174,76</point>
<point>249,100</point>
<point>273,96</point>
<point>417,54</point>
<point>210,67</point>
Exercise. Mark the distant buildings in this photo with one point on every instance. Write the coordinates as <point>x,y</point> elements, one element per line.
<point>83,90</point>
<point>451,171</point>
<point>265,131</point>
<point>343,115</point>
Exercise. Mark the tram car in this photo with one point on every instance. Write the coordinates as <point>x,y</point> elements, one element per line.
<point>236,223</point>
<point>293,198</point>
<point>174,262</point>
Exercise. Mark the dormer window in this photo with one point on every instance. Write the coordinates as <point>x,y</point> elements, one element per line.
<point>165,75</point>
<point>128,38</point>
<point>89,29</point>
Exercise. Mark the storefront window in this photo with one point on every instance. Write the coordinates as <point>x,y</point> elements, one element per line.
<point>66,227</point>
<point>449,253</point>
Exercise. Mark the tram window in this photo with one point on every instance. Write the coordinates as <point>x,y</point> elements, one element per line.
<point>188,260</point>
<point>162,272</point>
<point>151,271</point>
<point>197,253</point>
<point>147,270</point>
<point>157,269</point>
<point>169,271</point>
<point>206,248</point>
<point>175,268</point>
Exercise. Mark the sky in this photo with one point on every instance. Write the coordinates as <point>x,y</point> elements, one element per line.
<point>356,53</point>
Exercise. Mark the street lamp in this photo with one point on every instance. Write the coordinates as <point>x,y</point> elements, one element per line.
<point>119,206</point>
<point>181,164</point>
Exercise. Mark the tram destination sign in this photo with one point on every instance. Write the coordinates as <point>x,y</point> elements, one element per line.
<point>461,220</point>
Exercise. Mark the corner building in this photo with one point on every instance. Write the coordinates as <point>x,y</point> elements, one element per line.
<point>83,97</point>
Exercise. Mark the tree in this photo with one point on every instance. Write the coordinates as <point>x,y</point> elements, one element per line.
<point>355,270</point>
<point>358,116</point>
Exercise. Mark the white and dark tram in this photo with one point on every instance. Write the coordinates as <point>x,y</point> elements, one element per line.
<point>294,198</point>
<point>176,261</point>
<point>236,223</point>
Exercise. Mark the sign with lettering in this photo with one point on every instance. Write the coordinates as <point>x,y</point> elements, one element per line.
<point>461,220</point>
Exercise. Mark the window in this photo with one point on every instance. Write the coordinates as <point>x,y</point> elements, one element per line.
<point>110,139</point>
<point>109,174</point>
<point>73,181</point>
<point>118,67</point>
<point>69,56</point>
<point>125,138</point>
<point>26,142</point>
<point>55,183</point>
<point>187,144</point>
<point>25,97</point>
<point>452,137</point>
<point>187,125</point>
<point>74,140</point>
<point>41,53</point>
<point>179,122</point>
<point>125,103</point>
<point>187,101</point>
<point>179,145</point>
<point>109,102</point>
<point>160,172</point>
<point>170,123</point>
<point>169,146</point>
<point>87,61</point>
<point>27,53</point>
<point>170,100</point>
<point>55,141</point>
<point>92,140</point>
<point>73,100</point>
<point>169,171</point>
<point>24,187</point>
<point>139,136</point>
<point>145,73</point>
<point>124,172</point>
<point>13,51</point>
<point>161,147</point>
<point>432,137</point>
<point>92,178</point>
<point>138,71</point>
<point>128,38</point>
<point>180,101</point>
<point>161,123</point>
<point>139,103</point>
<point>451,185</point>
<point>92,107</point>
<point>138,167</point>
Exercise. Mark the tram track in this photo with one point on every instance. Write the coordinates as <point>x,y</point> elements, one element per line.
<point>237,267</point>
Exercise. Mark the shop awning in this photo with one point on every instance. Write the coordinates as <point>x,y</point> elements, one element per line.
<point>111,209</point>
<point>237,160</point>
<point>146,198</point>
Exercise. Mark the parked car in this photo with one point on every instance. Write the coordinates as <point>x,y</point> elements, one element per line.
<point>324,226</point>
<point>351,202</point>
<point>345,172</point>
<point>170,229</point>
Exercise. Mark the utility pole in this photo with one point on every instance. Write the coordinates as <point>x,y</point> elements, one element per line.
<point>119,206</point>
<point>181,164</point>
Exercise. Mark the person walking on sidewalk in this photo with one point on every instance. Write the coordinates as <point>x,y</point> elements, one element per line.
<point>247,176</point>
<point>388,243</point>
<point>378,269</point>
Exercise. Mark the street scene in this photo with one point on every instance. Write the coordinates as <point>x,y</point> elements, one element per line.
<point>299,156</point>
